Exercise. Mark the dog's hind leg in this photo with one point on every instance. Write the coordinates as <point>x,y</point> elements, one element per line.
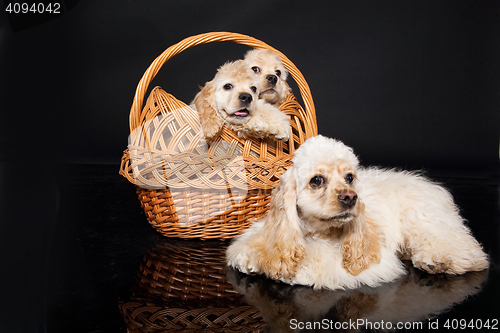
<point>436,235</point>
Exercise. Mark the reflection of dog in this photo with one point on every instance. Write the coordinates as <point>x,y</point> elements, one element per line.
<point>414,298</point>
<point>267,67</point>
<point>334,225</point>
<point>231,99</point>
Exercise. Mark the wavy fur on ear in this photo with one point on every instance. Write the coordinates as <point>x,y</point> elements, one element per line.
<point>275,245</point>
<point>204,102</point>
<point>283,242</point>
<point>360,244</point>
<point>287,90</point>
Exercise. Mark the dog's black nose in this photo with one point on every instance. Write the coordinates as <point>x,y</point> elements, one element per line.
<point>348,198</point>
<point>272,79</point>
<point>245,98</point>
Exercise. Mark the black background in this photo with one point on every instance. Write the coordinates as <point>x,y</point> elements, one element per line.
<point>411,84</point>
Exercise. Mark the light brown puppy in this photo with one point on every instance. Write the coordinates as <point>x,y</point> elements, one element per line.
<point>231,99</point>
<point>267,67</point>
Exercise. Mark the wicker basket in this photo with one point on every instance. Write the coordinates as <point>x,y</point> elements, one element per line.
<point>182,287</point>
<point>214,197</point>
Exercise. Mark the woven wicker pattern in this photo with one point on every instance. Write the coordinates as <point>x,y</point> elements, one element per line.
<point>189,191</point>
<point>145,317</point>
<point>184,272</point>
<point>183,288</point>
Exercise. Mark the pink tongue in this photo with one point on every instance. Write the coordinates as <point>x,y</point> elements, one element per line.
<point>242,113</point>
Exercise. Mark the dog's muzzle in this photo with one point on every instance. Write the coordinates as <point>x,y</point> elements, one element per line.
<point>340,218</point>
<point>245,98</point>
<point>241,113</point>
<point>348,198</point>
<point>272,79</point>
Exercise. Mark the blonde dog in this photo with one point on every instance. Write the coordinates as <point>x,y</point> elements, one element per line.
<point>267,67</point>
<point>332,224</point>
<point>231,99</point>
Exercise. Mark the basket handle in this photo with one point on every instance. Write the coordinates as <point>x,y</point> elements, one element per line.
<point>210,37</point>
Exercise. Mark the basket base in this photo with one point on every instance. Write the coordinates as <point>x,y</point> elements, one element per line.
<point>178,214</point>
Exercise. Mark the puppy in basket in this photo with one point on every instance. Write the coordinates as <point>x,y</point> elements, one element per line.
<point>332,224</point>
<point>267,67</point>
<point>232,99</point>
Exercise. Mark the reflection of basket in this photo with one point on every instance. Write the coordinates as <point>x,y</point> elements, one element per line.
<point>185,272</point>
<point>209,215</point>
<point>183,288</point>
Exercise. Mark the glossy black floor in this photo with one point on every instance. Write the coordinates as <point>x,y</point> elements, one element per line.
<point>108,272</point>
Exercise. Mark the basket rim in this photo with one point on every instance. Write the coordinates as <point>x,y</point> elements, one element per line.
<point>210,37</point>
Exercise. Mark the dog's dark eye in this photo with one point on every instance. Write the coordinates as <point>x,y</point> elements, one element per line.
<point>256,69</point>
<point>228,86</point>
<point>254,89</point>
<point>317,181</point>
<point>278,72</point>
<point>349,178</point>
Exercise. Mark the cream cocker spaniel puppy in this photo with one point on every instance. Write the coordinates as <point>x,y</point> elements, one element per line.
<point>268,69</point>
<point>232,99</point>
<point>333,224</point>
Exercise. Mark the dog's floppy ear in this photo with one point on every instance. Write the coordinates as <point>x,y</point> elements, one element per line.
<point>360,244</point>
<point>211,122</point>
<point>285,92</point>
<point>283,241</point>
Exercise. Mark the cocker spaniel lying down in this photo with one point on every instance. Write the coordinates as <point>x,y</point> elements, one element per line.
<point>333,224</point>
<point>231,98</point>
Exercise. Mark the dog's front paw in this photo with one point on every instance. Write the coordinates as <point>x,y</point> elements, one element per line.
<point>282,136</point>
<point>243,263</point>
<point>281,133</point>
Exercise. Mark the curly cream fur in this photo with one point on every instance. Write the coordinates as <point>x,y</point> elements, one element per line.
<point>311,237</point>
<point>268,69</point>
<point>220,103</point>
